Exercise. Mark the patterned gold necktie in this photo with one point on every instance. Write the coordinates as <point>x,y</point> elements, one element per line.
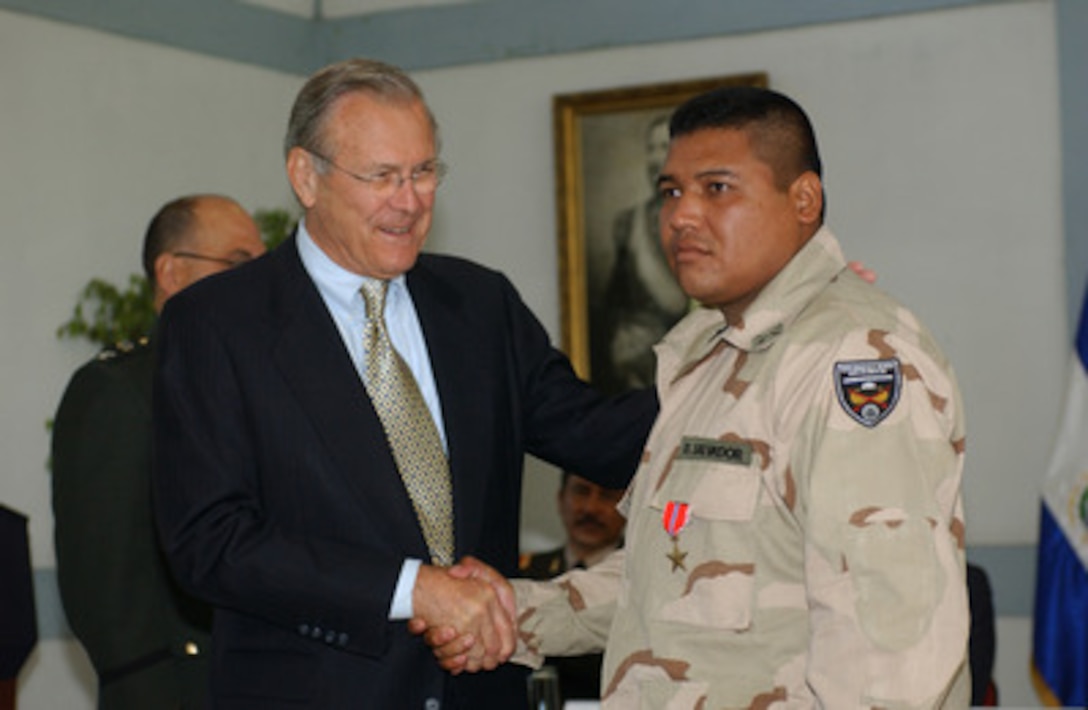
<point>410,429</point>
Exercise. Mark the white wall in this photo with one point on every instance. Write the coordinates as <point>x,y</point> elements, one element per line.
<point>940,138</point>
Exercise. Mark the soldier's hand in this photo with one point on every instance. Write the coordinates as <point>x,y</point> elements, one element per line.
<point>860,269</point>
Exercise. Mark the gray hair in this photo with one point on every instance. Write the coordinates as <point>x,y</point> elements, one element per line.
<point>306,126</point>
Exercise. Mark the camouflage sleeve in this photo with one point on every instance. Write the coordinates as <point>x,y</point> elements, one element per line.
<point>569,615</point>
<point>879,474</point>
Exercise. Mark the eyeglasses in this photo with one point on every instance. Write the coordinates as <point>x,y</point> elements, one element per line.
<point>228,261</point>
<point>386,182</point>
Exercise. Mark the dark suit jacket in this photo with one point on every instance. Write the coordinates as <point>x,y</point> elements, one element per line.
<point>983,639</point>
<point>279,500</point>
<point>146,639</point>
<point>18,621</point>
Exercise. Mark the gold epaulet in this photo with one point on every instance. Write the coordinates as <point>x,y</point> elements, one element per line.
<point>122,347</point>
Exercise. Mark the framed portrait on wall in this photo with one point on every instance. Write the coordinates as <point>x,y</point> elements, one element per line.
<point>618,295</point>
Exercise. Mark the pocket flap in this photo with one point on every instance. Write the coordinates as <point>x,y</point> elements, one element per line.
<point>717,479</point>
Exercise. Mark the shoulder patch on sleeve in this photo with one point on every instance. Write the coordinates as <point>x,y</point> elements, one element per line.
<point>868,390</point>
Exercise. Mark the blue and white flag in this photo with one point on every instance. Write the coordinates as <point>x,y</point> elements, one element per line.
<point>1060,655</point>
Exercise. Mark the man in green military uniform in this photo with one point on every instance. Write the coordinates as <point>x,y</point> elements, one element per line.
<point>146,638</point>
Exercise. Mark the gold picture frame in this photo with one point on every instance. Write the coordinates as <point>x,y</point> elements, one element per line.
<point>608,147</point>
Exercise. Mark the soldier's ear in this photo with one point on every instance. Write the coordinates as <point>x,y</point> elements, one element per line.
<point>807,193</point>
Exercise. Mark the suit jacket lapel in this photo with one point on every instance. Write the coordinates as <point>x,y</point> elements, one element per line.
<point>443,312</point>
<point>311,357</point>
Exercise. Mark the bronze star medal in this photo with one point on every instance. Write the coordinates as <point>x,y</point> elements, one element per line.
<point>677,557</point>
<point>676,519</point>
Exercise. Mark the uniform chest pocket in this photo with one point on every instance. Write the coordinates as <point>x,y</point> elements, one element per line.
<point>720,486</point>
<point>716,479</point>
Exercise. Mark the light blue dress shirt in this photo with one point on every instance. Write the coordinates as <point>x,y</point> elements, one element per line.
<point>339,288</point>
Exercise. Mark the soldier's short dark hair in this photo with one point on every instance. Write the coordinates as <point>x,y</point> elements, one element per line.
<point>778,128</point>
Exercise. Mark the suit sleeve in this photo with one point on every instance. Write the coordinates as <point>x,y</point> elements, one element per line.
<point>568,422</point>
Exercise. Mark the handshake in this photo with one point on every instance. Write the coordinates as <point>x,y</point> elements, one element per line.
<point>467,614</point>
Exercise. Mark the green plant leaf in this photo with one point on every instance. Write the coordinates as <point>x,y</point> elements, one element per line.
<point>275,225</point>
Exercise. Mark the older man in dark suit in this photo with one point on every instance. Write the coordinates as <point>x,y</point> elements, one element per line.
<point>340,420</point>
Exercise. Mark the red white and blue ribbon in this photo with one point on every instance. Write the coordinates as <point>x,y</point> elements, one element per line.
<point>676,517</point>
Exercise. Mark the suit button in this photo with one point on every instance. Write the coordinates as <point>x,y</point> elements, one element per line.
<point>330,636</point>
<point>316,632</point>
<point>191,649</point>
<point>304,629</point>
<point>432,704</point>
<point>343,640</point>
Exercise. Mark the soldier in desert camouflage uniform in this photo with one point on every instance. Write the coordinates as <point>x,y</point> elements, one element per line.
<point>795,529</point>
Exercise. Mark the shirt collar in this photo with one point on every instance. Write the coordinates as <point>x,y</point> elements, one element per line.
<point>339,286</point>
<point>806,275</point>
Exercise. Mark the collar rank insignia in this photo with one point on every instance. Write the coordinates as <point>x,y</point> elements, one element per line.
<point>868,390</point>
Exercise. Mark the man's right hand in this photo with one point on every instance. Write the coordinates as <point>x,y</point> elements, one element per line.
<point>470,605</point>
